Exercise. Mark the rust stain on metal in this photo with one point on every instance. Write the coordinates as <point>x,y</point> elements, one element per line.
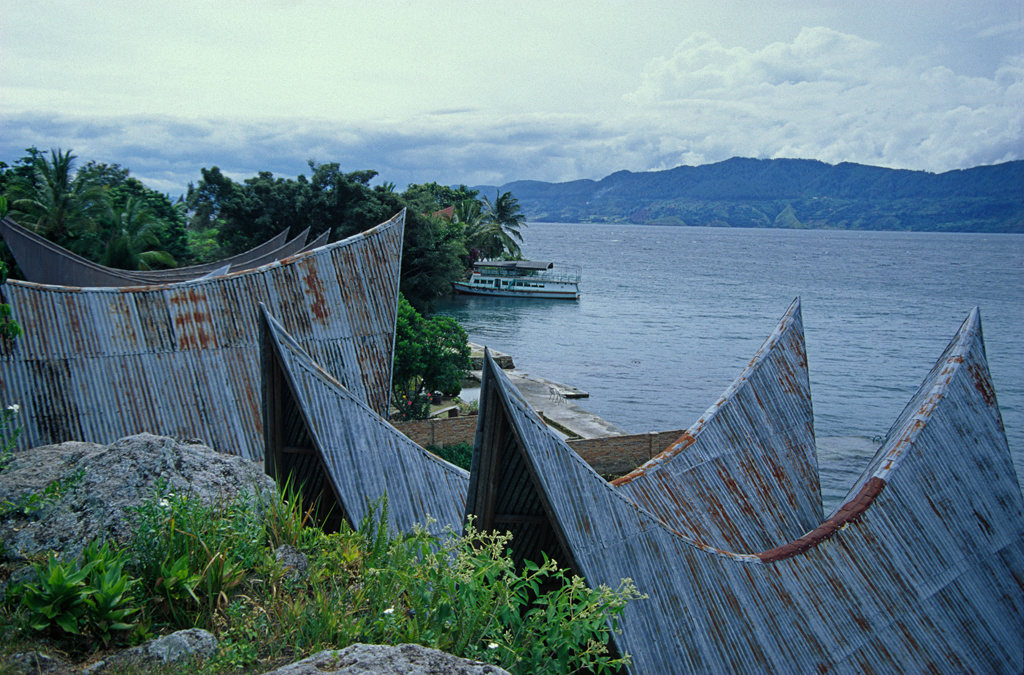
<point>315,289</point>
<point>181,358</point>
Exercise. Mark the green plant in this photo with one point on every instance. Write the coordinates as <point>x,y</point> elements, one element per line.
<point>9,432</point>
<point>109,604</point>
<point>89,596</point>
<point>459,454</point>
<point>462,594</point>
<point>57,598</point>
<point>192,556</point>
<point>284,514</point>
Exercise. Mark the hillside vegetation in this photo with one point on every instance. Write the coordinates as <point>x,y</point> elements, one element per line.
<point>789,193</point>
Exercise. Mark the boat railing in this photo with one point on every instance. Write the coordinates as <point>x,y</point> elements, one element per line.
<point>561,273</point>
<point>564,273</point>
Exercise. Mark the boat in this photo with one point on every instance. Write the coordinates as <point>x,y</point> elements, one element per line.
<point>522,279</point>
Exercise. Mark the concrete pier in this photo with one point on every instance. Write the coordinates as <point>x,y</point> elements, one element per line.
<point>552,400</point>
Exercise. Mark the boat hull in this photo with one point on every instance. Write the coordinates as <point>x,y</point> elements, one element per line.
<point>569,292</point>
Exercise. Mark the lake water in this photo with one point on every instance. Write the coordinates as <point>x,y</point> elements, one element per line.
<point>669,316</point>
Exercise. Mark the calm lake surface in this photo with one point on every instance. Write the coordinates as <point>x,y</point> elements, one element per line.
<point>670,316</point>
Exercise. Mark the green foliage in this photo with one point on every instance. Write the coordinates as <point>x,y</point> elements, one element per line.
<point>496,234</point>
<point>10,432</point>
<point>430,355</point>
<point>57,600</point>
<point>185,550</point>
<point>109,604</point>
<point>54,201</point>
<point>88,596</point>
<point>459,454</point>
<point>461,594</point>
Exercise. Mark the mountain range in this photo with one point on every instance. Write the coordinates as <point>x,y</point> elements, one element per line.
<point>789,193</point>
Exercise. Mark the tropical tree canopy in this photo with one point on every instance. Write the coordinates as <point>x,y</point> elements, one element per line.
<point>496,234</point>
<point>54,201</point>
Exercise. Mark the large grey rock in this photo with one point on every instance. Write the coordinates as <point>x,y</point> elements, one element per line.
<point>193,643</point>
<point>114,479</point>
<point>362,659</point>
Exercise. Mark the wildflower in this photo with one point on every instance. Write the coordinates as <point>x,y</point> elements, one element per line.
<point>493,645</point>
<point>14,408</point>
<point>389,610</point>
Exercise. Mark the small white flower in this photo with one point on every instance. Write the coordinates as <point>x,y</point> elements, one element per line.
<point>389,610</point>
<point>493,645</point>
<point>14,408</point>
<point>164,503</point>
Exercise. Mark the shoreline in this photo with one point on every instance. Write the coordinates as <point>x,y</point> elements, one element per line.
<point>553,401</point>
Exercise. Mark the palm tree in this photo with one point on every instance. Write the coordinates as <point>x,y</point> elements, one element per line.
<point>134,235</point>
<point>56,203</point>
<point>498,233</point>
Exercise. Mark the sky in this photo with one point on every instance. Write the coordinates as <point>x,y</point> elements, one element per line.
<point>464,92</point>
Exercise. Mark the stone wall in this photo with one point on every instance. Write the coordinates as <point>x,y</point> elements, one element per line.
<point>614,456</point>
<point>609,456</point>
<point>440,430</point>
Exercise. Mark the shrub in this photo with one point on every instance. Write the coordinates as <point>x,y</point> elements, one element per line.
<point>459,454</point>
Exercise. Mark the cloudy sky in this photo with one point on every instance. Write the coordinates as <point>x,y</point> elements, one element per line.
<point>486,93</point>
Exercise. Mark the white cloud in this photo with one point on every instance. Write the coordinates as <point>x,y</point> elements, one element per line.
<point>821,95</point>
<point>829,96</point>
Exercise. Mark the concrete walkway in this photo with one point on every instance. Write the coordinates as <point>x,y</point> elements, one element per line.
<point>551,399</point>
<point>554,403</point>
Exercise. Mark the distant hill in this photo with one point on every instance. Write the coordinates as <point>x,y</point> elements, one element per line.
<point>792,193</point>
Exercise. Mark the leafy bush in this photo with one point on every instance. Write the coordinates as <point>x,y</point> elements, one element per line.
<point>459,454</point>
<point>89,595</point>
<point>212,566</point>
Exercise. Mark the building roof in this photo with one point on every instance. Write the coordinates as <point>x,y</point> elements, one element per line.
<point>922,570</point>
<point>182,360</point>
<point>745,475</point>
<point>45,262</point>
<point>342,453</point>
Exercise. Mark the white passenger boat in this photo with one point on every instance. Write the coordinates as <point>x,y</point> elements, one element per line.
<point>522,279</point>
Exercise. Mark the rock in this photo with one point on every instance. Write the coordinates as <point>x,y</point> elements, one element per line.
<point>185,644</point>
<point>360,659</point>
<point>30,663</point>
<point>290,558</point>
<point>106,483</point>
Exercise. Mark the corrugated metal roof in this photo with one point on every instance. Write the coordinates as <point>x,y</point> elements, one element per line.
<point>318,242</point>
<point>744,477</point>
<point>181,360</point>
<point>342,452</point>
<point>922,570</point>
<point>45,262</point>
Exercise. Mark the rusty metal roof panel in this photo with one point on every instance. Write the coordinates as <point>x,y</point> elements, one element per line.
<point>922,570</point>
<point>359,452</point>
<point>45,262</point>
<point>745,475</point>
<point>181,359</point>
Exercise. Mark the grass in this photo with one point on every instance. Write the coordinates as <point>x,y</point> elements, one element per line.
<point>213,566</point>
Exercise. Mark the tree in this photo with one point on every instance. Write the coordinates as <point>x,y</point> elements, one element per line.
<point>169,219</point>
<point>54,201</point>
<point>133,238</point>
<point>498,234</point>
<point>430,355</point>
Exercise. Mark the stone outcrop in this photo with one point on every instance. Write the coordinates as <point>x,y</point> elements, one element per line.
<point>193,643</point>
<point>360,659</point>
<point>103,484</point>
